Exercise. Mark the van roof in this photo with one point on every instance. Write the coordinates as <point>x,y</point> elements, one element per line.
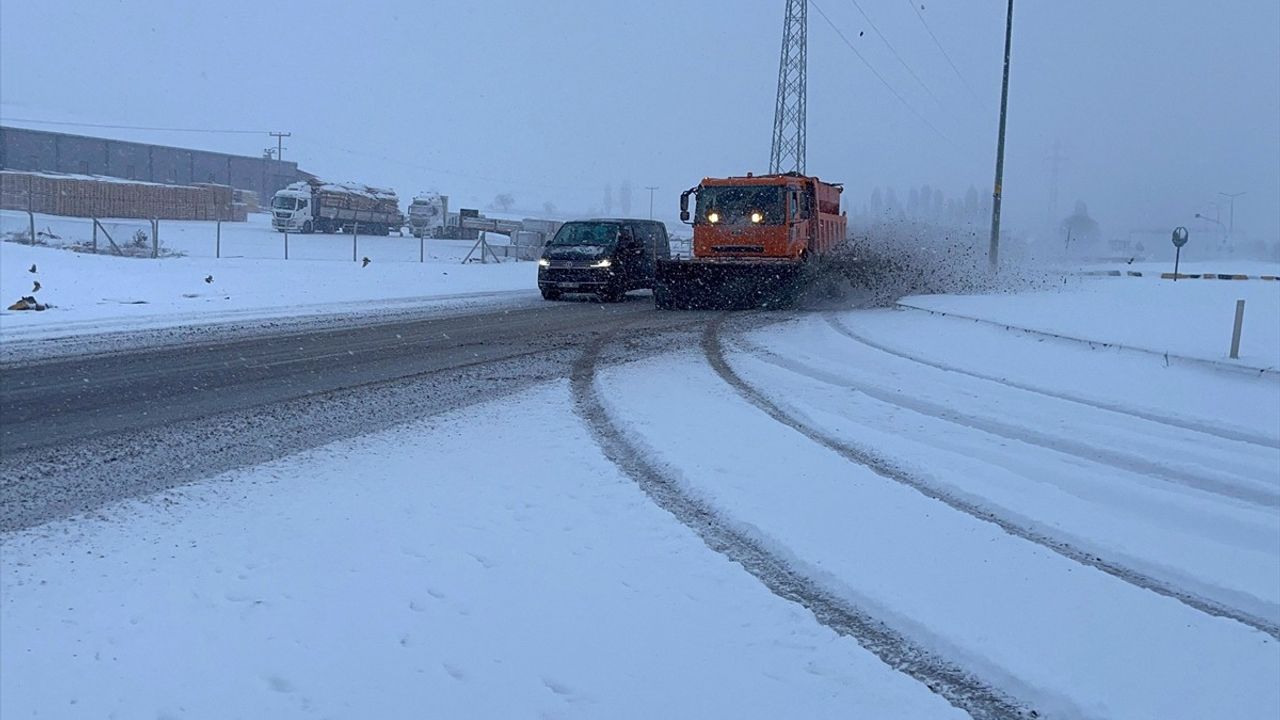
<point>616,220</point>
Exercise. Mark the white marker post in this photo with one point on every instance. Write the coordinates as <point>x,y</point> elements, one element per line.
<point>1235,333</point>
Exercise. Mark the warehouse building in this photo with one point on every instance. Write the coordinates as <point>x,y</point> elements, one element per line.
<point>53,152</point>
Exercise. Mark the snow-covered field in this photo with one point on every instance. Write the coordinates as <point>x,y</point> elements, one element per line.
<point>1187,318</point>
<point>252,280</point>
<point>1094,533</point>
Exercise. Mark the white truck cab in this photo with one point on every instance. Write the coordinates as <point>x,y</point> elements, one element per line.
<point>291,211</point>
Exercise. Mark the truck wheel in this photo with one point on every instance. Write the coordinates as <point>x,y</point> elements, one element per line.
<point>308,228</point>
<point>549,294</point>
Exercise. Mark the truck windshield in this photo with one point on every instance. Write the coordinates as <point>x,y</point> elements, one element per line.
<point>284,203</point>
<point>586,233</point>
<point>735,205</point>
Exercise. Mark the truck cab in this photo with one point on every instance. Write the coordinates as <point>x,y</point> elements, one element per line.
<point>291,211</point>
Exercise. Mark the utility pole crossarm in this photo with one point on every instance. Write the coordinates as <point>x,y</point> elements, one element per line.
<point>280,136</point>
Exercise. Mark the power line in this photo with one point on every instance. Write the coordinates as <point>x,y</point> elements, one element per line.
<point>941,49</point>
<point>104,126</point>
<point>880,77</point>
<point>894,51</point>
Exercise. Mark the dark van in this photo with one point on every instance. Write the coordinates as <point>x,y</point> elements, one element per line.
<point>606,257</point>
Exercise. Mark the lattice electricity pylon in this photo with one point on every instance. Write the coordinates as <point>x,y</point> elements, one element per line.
<point>787,154</point>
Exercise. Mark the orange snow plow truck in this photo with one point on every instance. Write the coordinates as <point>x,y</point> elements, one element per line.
<point>757,242</point>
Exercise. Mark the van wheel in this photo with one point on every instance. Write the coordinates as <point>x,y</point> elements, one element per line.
<point>549,294</point>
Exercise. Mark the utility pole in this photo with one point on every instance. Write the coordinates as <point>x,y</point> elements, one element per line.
<point>650,188</point>
<point>993,254</point>
<point>788,151</point>
<point>280,136</point>
<point>1232,216</point>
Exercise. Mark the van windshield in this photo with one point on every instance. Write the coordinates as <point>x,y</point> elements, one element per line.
<point>587,233</point>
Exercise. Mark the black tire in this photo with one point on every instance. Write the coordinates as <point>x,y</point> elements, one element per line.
<point>549,294</point>
<point>308,228</point>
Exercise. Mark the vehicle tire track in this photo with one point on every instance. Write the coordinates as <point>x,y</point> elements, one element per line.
<point>956,685</point>
<point>883,466</point>
<point>1090,453</point>
<point>1224,433</point>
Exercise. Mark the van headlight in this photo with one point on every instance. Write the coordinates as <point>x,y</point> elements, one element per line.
<point>544,263</point>
<point>604,263</point>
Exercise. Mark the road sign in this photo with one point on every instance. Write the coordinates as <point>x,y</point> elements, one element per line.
<point>1179,237</point>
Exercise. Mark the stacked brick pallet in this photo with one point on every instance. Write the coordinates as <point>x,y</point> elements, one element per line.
<point>91,196</point>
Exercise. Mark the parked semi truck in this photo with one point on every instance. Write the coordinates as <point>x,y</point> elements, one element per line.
<point>757,241</point>
<point>427,215</point>
<point>318,206</point>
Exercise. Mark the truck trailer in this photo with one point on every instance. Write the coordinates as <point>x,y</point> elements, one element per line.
<point>317,206</point>
<point>758,241</point>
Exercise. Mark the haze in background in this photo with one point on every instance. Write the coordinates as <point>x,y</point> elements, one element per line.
<point>1156,108</point>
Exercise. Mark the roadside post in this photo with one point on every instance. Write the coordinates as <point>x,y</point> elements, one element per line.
<point>355,234</point>
<point>31,213</point>
<point>1179,239</point>
<point>286,244</point>
<point>1235,333</point>
<point>217,241</point>
<point>422,248</point>
<point>155,238</point>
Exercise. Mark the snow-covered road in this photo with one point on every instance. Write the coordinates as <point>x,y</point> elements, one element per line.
<point>868,513</point>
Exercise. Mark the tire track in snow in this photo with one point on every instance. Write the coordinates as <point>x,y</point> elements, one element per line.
<point>1090,453</point>
<point>1224,433</point>
<point>956,685</point>
<point>885,467</point>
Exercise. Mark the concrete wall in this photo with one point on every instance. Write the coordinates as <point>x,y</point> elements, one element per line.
<point>41,151</point>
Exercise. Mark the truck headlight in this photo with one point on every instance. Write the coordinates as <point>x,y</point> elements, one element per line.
<point>713,217</point>
<point>757,217</point>
<point>605,263</point>
<point>543,262</point>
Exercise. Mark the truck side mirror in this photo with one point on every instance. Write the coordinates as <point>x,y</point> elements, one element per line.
<point>684,216</point>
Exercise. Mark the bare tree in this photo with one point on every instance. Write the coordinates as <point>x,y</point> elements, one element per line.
<point>624,197</point>
<point>503,202</point>
<point>608,199</point>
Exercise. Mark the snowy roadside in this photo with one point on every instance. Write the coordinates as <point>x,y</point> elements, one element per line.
<point>1190,319</point>
<point>415,571</point>
<point>94,294</point>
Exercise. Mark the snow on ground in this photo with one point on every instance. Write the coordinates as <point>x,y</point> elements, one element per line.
<point>1188,318</point>
<point>97,293</point>
<point>1072,640</point>
<point>452,568</point>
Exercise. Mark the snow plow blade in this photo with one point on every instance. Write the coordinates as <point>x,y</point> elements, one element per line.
<point>727,284</point>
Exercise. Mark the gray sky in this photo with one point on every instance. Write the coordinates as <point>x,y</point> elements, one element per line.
<point>1158,106</point>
